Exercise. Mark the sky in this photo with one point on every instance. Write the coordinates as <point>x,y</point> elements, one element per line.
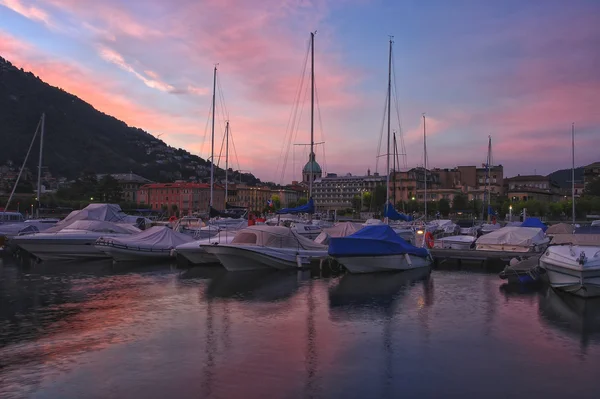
<point>519,71</point>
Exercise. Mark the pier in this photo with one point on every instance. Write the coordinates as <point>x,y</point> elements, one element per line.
<point>441,255</point>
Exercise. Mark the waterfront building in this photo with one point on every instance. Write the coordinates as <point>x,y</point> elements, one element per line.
<point>334,192</point>
<point>180,197</point>
<point>532,187</point>
<point>130,184</point>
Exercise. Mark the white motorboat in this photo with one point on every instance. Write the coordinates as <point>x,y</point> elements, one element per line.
<point>513,239</point>
<point>573,264</point>
<point>442,226</point>
<point>487,228</point>
<point>306,230</point>
<point>468,227</point>
<point>377,248</point>
<point>195,253</point>
<point>455,242</point>
<point>76,241</point>
<point>156,243</point>
<point>341,229</point>
<point>263,247</point>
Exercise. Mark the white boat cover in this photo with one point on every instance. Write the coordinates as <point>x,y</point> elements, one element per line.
<point>274,237</point>
<point>561,228</point>
<point>11,230</point>
<point>157,237</point>
<point>591,240</point>
<point>513,236</point>
<point>99,226</point>
<point>101,212</point>
<point>342,229</point>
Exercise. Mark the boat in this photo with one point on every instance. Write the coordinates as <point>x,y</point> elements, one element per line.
<point>523,271</point>
<point>11,218</point>
<point>75,241</point>
<point>264,247</point>
<point>455,242</point>
<point>560,228</point>
<point>341,229</point>
<point>468,227</point>
<point>194,253</point>
<point>487,228</point>
<point>513,239</point>
<point>377,248</point>
<point>156,243</point>
<point>573,264</point>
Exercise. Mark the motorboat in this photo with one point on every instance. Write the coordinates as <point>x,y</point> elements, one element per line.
<point>560,228</point>
<point>9,231</point>
<point>194,253</point>
<point>11,217</point>
<point>75,241</point>
<point>442,227</point>
<point>377,248</point>
<point>307,230</point>
<point>264,247</point>
<point>573,264</point>
<point>341,229</point>
<point>156,243</point>
<point>523,271</point>
<point>487,228</point>
<point>513,239</point>
<point>468,227</point>
<point>455,242</point>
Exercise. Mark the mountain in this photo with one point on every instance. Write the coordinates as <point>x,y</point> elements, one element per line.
<point>563,177</point>
<point>79,138</point>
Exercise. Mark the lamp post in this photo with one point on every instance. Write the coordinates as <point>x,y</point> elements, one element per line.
<point>510,213</point>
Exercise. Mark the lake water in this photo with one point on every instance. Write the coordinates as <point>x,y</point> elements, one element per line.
<point>94,330</point>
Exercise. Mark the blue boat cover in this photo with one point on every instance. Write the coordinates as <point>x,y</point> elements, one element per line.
<point>309,207</point>
<point>392,214</point>
<point>491,211</point>
<point>373,240</point>
<point>534,222</point>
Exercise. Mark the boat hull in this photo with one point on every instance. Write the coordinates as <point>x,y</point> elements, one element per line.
<point>132,255</point>
<point>241,258</point>
<point>565,273</point>
<point>383,263</point>
<point>197,256</point>
<point>82,249</point>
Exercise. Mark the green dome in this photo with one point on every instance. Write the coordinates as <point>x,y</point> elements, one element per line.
<point>312,166</point>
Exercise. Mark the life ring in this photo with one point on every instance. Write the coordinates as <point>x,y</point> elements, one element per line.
<point>429,240</point>
<point>172,219</point>
<point>493,219</point>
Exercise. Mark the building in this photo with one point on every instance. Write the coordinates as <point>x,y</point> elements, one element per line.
<point>334,192</point>
<point>256,198</point>
<point>447,183</point>
<point>180,197</point>
<point>130,184</point>
<point>532,187</point>
<point>591,172</point>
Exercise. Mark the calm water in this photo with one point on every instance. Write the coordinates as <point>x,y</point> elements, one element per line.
<point>97,331</point>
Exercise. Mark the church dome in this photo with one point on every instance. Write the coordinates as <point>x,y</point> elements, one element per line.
<point>312,166</point>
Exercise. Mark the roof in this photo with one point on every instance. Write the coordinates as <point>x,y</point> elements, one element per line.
<point>527,178</point>
<point>312,166</point>
<point>175,185</point>
<point>126,177</point>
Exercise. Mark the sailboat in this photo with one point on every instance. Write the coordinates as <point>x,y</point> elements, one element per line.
<point>377,247</point>
<point>276,247</point>
<point>573,260</point>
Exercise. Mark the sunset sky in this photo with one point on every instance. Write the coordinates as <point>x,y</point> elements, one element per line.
<point>520,71</point>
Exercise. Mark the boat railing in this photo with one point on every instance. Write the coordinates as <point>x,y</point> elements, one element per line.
<point>132,247</point>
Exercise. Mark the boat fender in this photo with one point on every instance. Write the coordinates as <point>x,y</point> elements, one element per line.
<point>172,219</point>
<point>493,219</point>
<point>513,262</point>
<point>429,240</point>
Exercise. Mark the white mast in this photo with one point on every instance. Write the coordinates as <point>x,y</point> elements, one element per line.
<point>389,107</point>
<point>39,181</point>
<point>573,173</point>
<point>425,162</point>
<point>226,160</point>
<point>486,192</point>
<point>212,143</point>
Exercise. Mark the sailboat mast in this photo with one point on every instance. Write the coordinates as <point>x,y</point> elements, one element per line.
<point>487,194</point>
<point>312,114</point>
<point>573,172</point>
<point>212,141</point>
<point>39,180</point>
<point>425,161</point>
<point>389,108</point>
<point>394,149</point>
<point>226,161</point>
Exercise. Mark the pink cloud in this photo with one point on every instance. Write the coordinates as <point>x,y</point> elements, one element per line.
<point>28,11</point>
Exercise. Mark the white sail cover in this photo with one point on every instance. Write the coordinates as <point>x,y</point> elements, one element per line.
<point>155,238</point>
<point>511,237</point>
<point>99,226</point>
<point>342,229</point>
<point>275,237</point>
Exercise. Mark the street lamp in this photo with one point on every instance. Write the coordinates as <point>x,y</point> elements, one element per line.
<point>510,213</point>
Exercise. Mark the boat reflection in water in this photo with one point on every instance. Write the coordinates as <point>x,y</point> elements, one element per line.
<point>254,285</point>
<point>371,295</point>
<point>574,315</point>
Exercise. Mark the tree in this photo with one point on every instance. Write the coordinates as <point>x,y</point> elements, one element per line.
<point>356,203</point>
<point>378,200</point>
<point>444,207</point>
<point>302,201</point>
<point>593,187</point>
<point>460,202</point>
<point>367,197</point>
<point>174,209</point>
<point>276,201</point>
<point>109,189</point>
